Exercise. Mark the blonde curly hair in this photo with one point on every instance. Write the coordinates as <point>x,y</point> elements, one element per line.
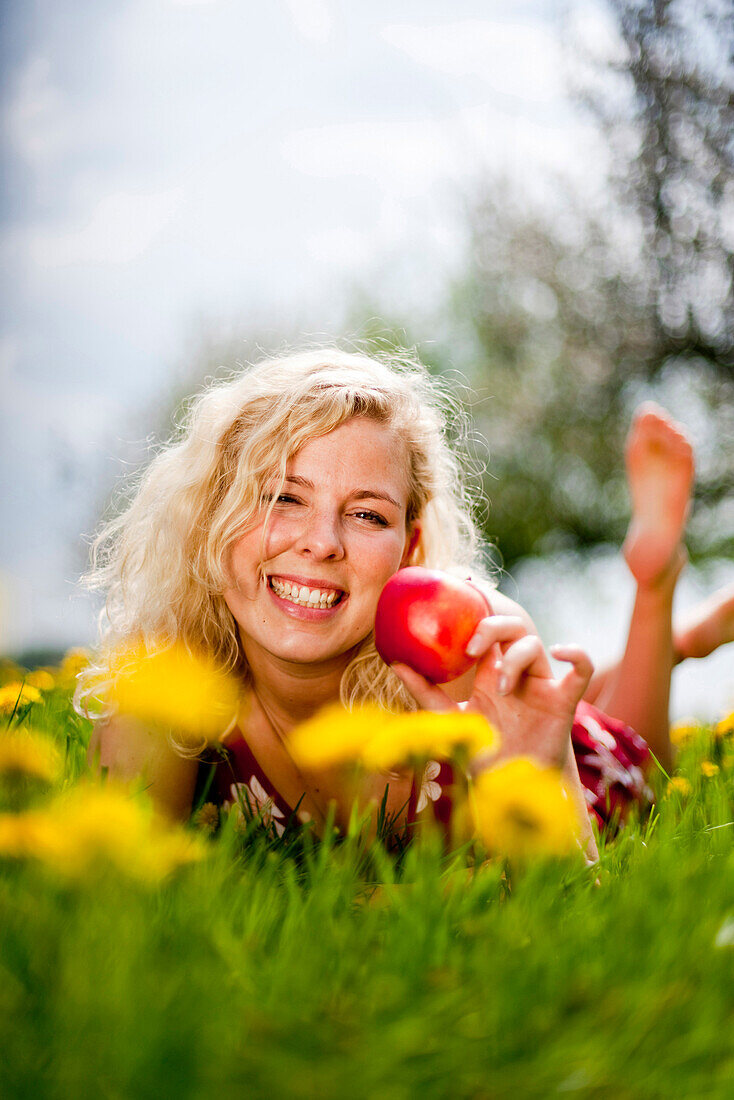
<point>163,560</point>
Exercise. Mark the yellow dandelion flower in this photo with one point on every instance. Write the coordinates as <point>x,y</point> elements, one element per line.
<point>379,739</point>
<point>423,733</point>
<point>12,835</point>
<point>175,689</point>
<point>74,661</point>
<point>709,769</point>
<point>16,695</point>
<point>685,731</point>
<point>9,671</point>
<point>725,726</point>
<point>25,753</point>
<point>206,818</point>
<point>678,784</point>
<point>42,679</point>
<point>522,810</point>
<point>96,828</point>
<point>335,735</point>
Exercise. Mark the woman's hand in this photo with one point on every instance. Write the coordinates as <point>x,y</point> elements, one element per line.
<point>515,689</point>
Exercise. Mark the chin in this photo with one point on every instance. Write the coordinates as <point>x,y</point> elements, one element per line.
<point>313,654</point>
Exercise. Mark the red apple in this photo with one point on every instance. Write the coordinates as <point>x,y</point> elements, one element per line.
<point>425,619</point>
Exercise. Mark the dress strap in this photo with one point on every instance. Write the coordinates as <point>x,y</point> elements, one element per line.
<point>240,782</point>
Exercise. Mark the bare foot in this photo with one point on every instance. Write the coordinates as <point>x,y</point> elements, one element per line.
<point>706,626</point>
<point>660,467</point>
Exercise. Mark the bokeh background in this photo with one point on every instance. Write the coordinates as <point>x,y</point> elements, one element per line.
<point>537,196</point>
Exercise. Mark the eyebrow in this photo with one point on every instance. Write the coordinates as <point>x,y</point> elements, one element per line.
<point>359,494</point>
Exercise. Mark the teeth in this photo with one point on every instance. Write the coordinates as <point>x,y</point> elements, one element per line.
<point>305,597</point>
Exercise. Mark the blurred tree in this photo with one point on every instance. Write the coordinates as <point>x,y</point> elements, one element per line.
<point>555,329</point>
<point>571,314</point>
<point>668,120</point>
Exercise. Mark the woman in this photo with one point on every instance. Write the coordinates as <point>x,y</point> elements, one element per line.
<point>265,536</point>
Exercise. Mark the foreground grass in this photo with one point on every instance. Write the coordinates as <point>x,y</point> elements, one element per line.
<point>327,970</point>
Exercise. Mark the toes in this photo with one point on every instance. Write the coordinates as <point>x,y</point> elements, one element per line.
<point>654,426</point>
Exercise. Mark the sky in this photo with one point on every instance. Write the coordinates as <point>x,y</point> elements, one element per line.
<point>174,168</point>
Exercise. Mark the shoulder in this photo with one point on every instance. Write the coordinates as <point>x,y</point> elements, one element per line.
<point>127,750</point>
<point>503,605</point>
<point>500,604</point>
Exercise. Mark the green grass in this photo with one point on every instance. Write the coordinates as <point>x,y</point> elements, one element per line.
<point>328,970</point>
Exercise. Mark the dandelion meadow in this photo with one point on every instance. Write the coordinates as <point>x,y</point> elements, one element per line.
<point>141,959</point>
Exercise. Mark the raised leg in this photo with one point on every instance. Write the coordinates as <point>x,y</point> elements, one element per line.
<point>697,632</point>
<point>706,626</point>
<point>660,468</point>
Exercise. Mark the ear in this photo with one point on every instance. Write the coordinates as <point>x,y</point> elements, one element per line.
<point>414,537</point>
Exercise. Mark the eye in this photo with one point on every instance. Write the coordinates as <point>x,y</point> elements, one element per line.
<point>282,498</point>
<point>372,517</point>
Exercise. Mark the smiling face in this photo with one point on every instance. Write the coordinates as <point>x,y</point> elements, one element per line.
<point>336,534</point>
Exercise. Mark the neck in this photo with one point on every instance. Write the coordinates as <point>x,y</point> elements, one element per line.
<point>290,693</point>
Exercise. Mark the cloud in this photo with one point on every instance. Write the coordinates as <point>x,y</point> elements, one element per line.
<point>37,408</point>
<point>312,18</point>
<point>520,60</point>
<point>121,227</point>
<point>35,119</point>
<point>409,157</point>
<point>409,153</point>
<point>35,609</point>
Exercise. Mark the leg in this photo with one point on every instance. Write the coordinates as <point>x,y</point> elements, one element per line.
<point>698,632</point>
<point>706,626</point>
<point>659,460</point>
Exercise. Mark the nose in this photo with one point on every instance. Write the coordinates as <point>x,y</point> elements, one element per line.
<point>321,538</point>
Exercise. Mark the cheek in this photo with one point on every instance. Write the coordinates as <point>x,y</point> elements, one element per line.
<point>242,560</point>
<point>251,550</point>
<point>385,561</point>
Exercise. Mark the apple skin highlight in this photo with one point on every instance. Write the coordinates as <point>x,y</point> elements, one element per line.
<point>425,619</point>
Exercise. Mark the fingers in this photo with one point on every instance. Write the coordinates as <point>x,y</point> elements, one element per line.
<point>576,680</point>
<point>518,659</point>
<point>496,628</point>
<point>427,695</point>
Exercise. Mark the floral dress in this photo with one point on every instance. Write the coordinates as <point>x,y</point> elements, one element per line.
<point>610,758</point>
<point>241,787</point>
